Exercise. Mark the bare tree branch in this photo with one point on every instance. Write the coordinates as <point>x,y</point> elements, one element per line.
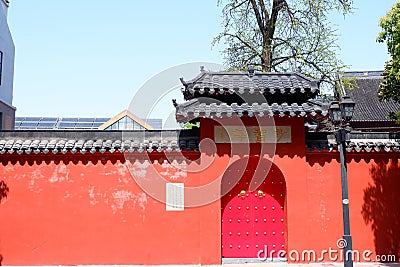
<point>263,9</point>
<point>240,4</point>
<point>243,42</point>
<point>280,35</point>
<point>258,16</point>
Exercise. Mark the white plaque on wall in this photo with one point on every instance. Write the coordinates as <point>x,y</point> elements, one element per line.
<point>175,198</point>
<point>252,134</point>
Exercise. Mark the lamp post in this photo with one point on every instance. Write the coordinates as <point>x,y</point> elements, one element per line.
<point>341,113</point>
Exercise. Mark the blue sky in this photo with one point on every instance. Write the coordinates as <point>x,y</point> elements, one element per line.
<point>87,58</point>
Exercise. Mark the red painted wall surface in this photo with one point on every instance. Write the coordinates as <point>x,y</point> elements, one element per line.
<point>313,207</point>
<point>93,212</point>
<point>89,209</point>
<point>373,193</point>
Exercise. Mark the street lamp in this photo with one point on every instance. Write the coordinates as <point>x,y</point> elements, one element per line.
<point>340,114</point>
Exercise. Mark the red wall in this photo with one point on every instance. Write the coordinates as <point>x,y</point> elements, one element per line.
<point>313,202</point>
<point>89,209</point>
<point>93,212</point>
<point>373,180</point>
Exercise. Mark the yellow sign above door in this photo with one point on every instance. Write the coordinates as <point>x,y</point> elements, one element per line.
<point>252,134</point>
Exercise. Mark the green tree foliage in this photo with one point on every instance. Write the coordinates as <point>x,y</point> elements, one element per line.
<point>190,125</point>
<point>282,35</point>
<point>390,34</point>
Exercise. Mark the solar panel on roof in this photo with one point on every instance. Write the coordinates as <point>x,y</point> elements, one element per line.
<point>66,125</point>
<point>46,124</point>
<point>32,119</point>
<point>48,119</point>
<point>84,125</point>
<point>101,119</point>
<point>29,124</point>
<point>54,123</point>
<point>69,119</point>
<point>155,123</point>
<point>44,127</point>
<point>86,119</point>
<point>25,128</point>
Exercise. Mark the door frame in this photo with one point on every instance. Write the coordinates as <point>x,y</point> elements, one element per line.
<point>252,161</point>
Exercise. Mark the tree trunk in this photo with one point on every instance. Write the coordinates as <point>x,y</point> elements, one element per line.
<point>268,35</point>
<point>266,57</point>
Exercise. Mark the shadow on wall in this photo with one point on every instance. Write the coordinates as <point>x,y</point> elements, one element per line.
<point>3,190</point>
<point>3,194</point>
<point>381,208</point>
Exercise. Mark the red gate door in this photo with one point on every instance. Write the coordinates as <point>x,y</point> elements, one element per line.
<point>253,221</point>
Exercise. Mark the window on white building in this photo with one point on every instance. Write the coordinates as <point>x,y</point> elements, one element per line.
<point>125,123</point>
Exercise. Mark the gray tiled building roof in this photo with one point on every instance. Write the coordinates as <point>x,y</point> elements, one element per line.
<point>359,142</point>
<point>90,142</point>
<point>357,146</point>
<point>248,93</point>
<point>194,109</point>
<point>365,94</point>
<point>212,83</point>
<point>27,142</point>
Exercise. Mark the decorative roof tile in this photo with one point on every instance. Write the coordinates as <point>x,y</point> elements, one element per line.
<point>210,83</point>
<point>194,108</point>
<point>62,142</point>
<point>359,142</point>
<point>355,146</point>
<point>365,94</point>
<point>56,142</point>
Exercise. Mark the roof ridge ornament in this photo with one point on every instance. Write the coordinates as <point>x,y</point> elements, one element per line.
<point>182,81</point>
<point>251,71</point>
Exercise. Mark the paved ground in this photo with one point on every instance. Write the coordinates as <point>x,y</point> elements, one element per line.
<point>267,264</point>
<point>252,265</point>
<point>292,265</point>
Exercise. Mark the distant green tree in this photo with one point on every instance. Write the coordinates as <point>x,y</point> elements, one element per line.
<point>282,35</point>
<point>190,125</point>
<point>390,34</point>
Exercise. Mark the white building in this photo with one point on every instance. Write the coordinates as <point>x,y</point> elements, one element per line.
<point>7,55</point>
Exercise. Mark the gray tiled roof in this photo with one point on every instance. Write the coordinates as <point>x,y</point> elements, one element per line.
<point>27,142</point>
<point>82,142</point>
<point>372,145</point>
<point>241,82</point>
<point>372,142</point>
<point>354,146</point>
<point>194,108</point>
<point>365,94</point>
